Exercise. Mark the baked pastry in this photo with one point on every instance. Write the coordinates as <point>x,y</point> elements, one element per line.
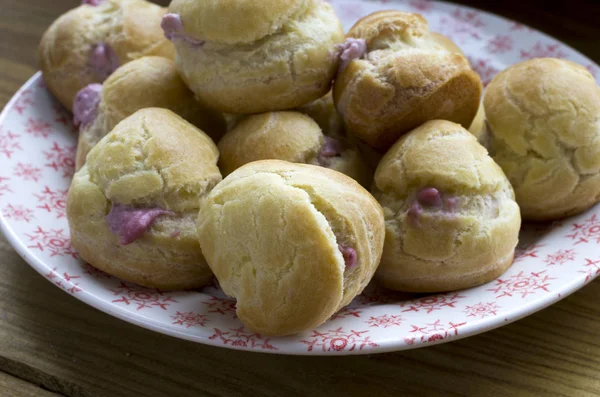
<point>394,76</point>
<point>253,56</point>
<point>323,111</point>
<point>144,83</point>
<point>478,127</point>
<point>543,117</point>
<point>132,208</point>
<point>450,215</point>
<point>447,43</point>
<point>294,243</point>
<point>290,136</point>
<point>88,43</point>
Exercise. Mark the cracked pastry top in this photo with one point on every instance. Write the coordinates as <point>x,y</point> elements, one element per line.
<point>251,56</point>
<point>87,44</point>
<point>450,216</point>
<point>289,136</point>
<point>544,131</point>
<point>132,208</point>
<point>293,243</point>
<point>395,75</point>
<point>146,82</point>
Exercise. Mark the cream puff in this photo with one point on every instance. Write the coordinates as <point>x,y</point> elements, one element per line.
<point>450,215</point>
<point>544,131</point>
<point>394,75</point>
<point>253,56</point>
<point>293,243</point>
<point>132,208</point>
<point>289,136</point>
<point>323,111</point>
<point>85,45</point>
<point>144,83</point>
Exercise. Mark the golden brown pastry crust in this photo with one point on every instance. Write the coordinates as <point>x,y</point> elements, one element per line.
<point>465,239</point>
<point>406,78</point>
<point>130,27</point>
<point>544,117</point>
<point>151,159</point>
<point>270,232</point>
<point>293,65</point>
<point>288,136</point>
<point>146,82</point>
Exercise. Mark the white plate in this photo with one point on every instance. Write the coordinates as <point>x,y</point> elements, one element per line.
<point>37,146</point>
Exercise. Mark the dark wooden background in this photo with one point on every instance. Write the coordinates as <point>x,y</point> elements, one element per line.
<point>51,344</point>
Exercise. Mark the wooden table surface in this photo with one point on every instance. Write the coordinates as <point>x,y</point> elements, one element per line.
<point>52,344</point>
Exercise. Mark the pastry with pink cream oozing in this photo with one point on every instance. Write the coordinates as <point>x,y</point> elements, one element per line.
<point>88,43</point>
<point>290,136</point>
<point>132,207</point>
<point>451,218</point>
<point>293,243</point>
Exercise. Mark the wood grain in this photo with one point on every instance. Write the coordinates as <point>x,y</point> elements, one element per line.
<point>15,387</point>
<point>50,339</point>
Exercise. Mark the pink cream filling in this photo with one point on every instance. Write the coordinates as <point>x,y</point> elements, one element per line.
<point>351,49</point>
<point>104,60</point>
<point>331,148</point>
<point>85,105</point>
<point>430,197</point>
<point>131,223</point>
<point>350,256</point>
<point>172,25</point>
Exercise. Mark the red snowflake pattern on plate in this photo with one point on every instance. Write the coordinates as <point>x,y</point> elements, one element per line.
<point>38,128</point>
<point>528,251</point>
<point>94,272</point>
<point>433,332</point>
<point>385,321</point>
<point>482,309</point>
<point>421,5</point>
<point>463,25</point>
<point>24,101</point>
<point>560,257</point>
<point>516,26</point>
<point>540,50</point>
<point>55,241</point>
<point>64,282</point>
<point>591,270</point>
<point>61,158</point>
<point>53,201</point>
<point>9,143</point>
<point>339,340</point>
<point>189,319</point>
<point>143,298</point>
<point>484,68</point>
<point>18,213</point>
<point>223,306</point>
<point>431,303</point>
<point>62,115</point>
<point>522,284</point>
<point>499,44</point>
<point>4,188</point>
<point>586,231</point>
<point>240,337</point>
<point>346,312</point>
<point>27,172</point>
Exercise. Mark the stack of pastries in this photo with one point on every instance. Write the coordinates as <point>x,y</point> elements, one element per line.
<point>254,142</point>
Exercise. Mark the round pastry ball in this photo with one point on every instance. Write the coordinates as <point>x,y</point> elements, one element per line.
<point>132,208</point>
<point>88,43</point>
<point>249,56</point>
<point>290,136</point>
<point>450,215</point>
<point>144,83</point>
<point>394,76</point>
<point>323,111</point>
<point>478,127</point>
<point>293,243</point>
<point>543,118</point>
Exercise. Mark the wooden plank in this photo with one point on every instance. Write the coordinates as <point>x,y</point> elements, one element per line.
<point>51,339</point>
<point>15,387</point>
